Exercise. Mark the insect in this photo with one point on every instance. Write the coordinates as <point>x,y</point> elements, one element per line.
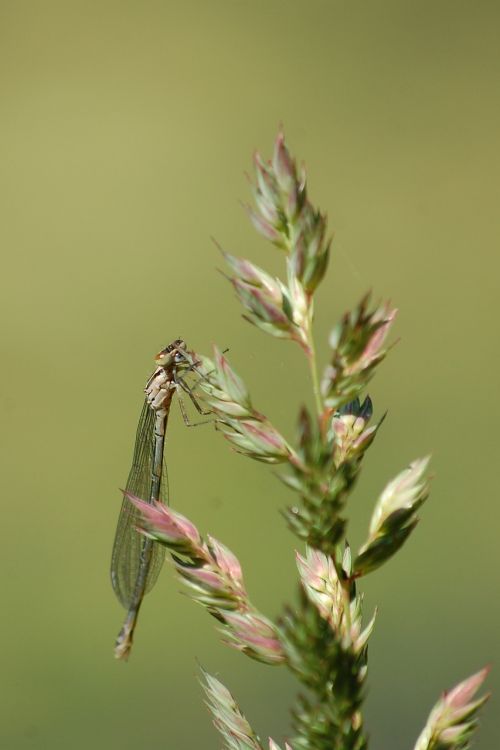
<point>136,560</point>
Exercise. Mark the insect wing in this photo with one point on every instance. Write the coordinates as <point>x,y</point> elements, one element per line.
<point>128,544</point>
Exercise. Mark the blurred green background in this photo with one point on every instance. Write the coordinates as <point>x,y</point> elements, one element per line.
<point>126,131</point>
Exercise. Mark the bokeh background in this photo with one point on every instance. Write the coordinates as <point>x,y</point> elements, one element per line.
<point>127,128</point>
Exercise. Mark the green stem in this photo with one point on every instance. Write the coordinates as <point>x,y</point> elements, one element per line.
<point>347,605</point>
<point>314,370</point>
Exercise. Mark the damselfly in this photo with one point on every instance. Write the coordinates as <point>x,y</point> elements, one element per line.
<point>136,561</point>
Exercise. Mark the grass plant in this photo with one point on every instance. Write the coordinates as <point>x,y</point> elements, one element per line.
<point>323,637</point>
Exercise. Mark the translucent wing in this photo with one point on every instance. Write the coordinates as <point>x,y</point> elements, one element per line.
<point>127,547</point>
